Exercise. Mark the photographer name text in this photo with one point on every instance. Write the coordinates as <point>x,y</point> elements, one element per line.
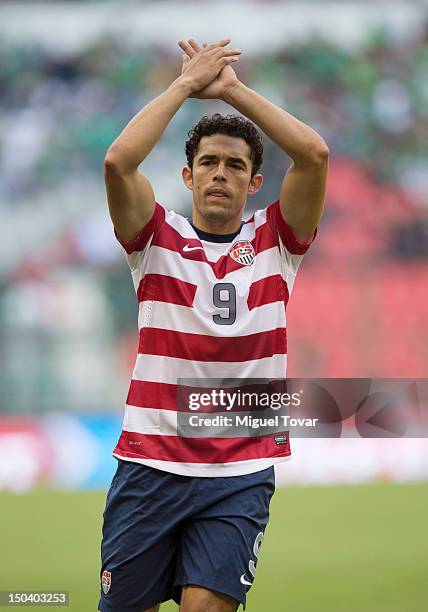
<point>196,420</point>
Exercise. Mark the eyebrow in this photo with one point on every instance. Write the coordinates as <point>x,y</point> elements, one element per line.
<point>207,157</point>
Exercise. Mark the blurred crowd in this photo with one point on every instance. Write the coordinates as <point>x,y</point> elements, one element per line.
<point>59,114</point>
<point>67,310</point>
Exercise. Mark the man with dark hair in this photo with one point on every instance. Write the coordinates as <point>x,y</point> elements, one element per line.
<point>231,125</point>
<point>185,516</point>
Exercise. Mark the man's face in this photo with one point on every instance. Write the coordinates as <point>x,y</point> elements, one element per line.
<point>221,180</point>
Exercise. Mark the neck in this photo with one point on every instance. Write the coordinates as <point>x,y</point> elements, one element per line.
<point>214,226</point>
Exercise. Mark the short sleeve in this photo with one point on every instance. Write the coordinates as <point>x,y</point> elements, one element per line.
<point>278,225</point>
<point>135,249</point>
<point>141,240</point>
<point>291,249</point>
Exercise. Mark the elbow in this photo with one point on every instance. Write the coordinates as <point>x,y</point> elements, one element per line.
<point>318,153</point>
<point>324,152</point>
<point>313,154</point>
<point>115,162</point>
<point>111,162</point>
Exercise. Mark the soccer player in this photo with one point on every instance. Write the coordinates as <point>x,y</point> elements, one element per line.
<point>185,516</point>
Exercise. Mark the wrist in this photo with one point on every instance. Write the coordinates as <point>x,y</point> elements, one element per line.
<point>183,85</point>
<point>231,92</point>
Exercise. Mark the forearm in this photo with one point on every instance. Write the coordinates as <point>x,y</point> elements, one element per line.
<point>297,139</point>
<point>145,129</point>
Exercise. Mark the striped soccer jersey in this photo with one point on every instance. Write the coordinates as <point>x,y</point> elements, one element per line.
<point>205,317</point>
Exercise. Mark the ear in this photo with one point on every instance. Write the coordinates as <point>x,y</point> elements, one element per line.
<point>255,184</point>
<point>186,173</point>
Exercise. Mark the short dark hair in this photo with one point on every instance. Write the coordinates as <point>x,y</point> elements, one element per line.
<point>231,125</point>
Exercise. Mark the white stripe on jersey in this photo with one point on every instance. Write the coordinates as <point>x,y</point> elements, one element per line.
<point>150,421</point>
<point>163,315</point>
<point>200,272</point>
<point>206,470</point>
<point>156,368</point>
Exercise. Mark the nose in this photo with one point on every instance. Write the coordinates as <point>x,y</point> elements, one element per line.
<point>220,172</point>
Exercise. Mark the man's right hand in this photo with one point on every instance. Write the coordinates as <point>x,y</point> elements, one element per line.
<point>207,64</point>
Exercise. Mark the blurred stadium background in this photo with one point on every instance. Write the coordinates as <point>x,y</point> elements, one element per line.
<point>71,75</point>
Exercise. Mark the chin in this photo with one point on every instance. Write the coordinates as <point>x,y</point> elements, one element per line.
<point>217,210</point>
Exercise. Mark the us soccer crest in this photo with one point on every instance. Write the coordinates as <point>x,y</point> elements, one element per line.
<point>106,581</point>
<point>243,252</point>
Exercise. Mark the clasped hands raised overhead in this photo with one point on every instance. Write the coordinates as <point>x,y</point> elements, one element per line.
<point>207,69</point>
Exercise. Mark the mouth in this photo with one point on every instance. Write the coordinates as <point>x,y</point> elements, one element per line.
<point>218,194</point>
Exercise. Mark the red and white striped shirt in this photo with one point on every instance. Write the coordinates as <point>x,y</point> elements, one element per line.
<point>186,332</point>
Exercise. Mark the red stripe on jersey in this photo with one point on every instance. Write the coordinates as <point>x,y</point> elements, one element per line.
<point>266,291</point>
<point>264,239</point>
<point>141,240</point>
<point>198,347</point>
<point>198,450</point>
<point>164,288</point>
<point>169,238</point>
<point>224,266</point>
<point>144,394</point>
<point>277,224</point>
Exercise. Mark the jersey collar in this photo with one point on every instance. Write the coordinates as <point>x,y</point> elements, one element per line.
<point>215,237</point>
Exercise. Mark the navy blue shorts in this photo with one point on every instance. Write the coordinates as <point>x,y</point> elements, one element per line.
<point>162,531</point>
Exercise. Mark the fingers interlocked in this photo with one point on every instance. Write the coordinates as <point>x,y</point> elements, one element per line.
<point>191,48</point>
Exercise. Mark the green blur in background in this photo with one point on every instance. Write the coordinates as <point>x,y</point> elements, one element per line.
<point>326,549</point>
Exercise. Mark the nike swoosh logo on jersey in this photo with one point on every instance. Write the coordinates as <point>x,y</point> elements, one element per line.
<point>245,581</point>
<point>188,248</point>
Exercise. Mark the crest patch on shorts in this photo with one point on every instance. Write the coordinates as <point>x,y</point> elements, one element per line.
<point>106,581</point>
